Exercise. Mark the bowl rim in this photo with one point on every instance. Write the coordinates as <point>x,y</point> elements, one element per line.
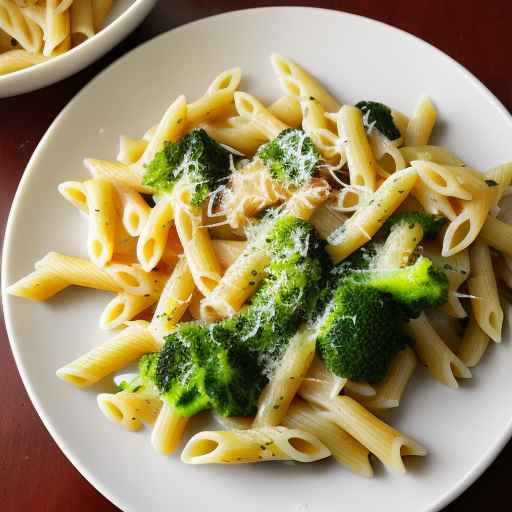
<point>81,48</point>
<point>435,506</point>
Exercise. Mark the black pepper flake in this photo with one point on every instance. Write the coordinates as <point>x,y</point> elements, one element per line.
<point>254,272</point>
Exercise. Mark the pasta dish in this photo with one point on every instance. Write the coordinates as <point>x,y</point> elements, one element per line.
<point>33,31</point>
<point>284,267</point>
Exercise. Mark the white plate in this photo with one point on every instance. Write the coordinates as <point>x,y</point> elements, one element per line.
<point>358,59</point>
<point>124,17</point>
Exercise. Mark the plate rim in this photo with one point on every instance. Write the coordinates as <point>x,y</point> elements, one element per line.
<point>444,499</point>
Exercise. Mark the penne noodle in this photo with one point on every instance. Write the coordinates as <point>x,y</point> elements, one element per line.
<point>436,154</point>
<point>195,239</point>
<point>362,165</point>
<point>135,210</point>
<point>483,288</point>
<point>130,150</point>
<point>297,82</point>
<point>386,443</point>
<point>123,308</point>
<point>320,384</point>
<point>421,124</point>
<point>473,345</point>
<point>228,251</point>
<point>130,410</point>
<point>497,234</point>
<point>153,238</point>
<point>344,448</point>
<point>170,129</point>
<point>117,173</point>
<point>433,352</point>
<point>284,384</point>
<point>174,300</point>
<point>452,181</point>
<point>260,117</point>
<point>390,390</point>
<point>168,429</point>
<point>126,347</point>
<point>102,221</point>
<point>254,445</point>
<point>365,222</point>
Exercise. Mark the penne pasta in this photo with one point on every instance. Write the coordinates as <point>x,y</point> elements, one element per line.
<point>228,251</point>
<point>344,448</point>
<point>117,173</point>
<point>100,11</point>
<point>421,124</point>
<point>433,352</point>
<point>297,82</point>
<point>125,307</point>
<point>170,129</point>
<point>102,221</point>
<point>16,60</point>
<point>365,222</point>
<point>174,300</point>
<point>483,288</point>
<point>168,429</point>
<point>135,211</point>
<point>153,238</point>
<point>124,348</point>
<point>195,239</point>
<point>386,443</point>
<point>130,410</point>
<point>473,345</point>
<point>497,234</point>
<point>255,445</point>
<point>260,117</point>
<point>390,390</point>
<point>436,154</point>
<point>362,165</point>
<point>463,230</point>
<point>284,384</point>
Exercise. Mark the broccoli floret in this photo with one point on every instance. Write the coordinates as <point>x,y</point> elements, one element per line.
<point>431,224</point>
<point>291,157</point>
<point>225,366</point>
<point>415,287</point>
<point>233,379</point>
<point>360,332</point>
<point>197,157</point>
<point>363,310</point>
<point>379,116</point>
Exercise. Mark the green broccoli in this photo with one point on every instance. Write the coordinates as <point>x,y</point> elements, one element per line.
<point>291,157</point>
<point>196,157</point>
<point>415,287</point>
<point>431,224</point>
<point>360,332</point>
<point>379,115</point>
<point>225,366</point>
<point>360,323</point>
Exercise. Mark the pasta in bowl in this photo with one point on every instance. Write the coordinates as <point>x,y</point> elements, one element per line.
<point>284,267</point>
<point>36,32</point>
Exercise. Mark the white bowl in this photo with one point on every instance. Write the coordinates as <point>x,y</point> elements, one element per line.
<point>125,16</point>
<point>357,59</point>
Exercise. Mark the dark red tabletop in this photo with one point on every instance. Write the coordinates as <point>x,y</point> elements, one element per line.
<point>34,474</point>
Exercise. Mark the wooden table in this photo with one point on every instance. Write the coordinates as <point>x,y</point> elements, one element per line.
<point>34,474</point>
